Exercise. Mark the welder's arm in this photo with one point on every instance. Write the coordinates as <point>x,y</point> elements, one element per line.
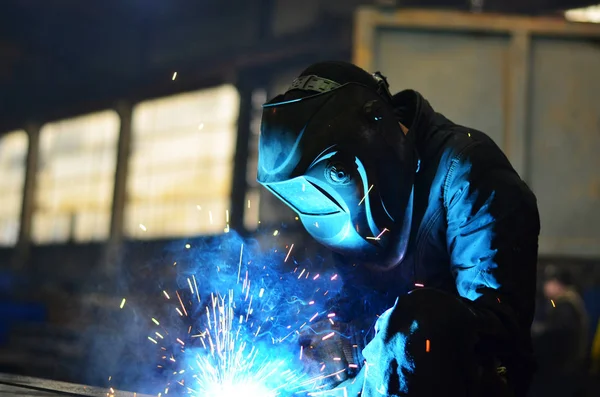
<point>492,237</point>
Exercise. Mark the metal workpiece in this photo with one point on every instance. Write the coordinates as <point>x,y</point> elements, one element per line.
<point>24,386</point>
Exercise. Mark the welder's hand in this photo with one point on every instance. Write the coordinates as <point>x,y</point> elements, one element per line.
<point>322,345</point>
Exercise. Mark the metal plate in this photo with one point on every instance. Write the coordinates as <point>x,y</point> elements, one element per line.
<point>565,144</point>
<point>461,75</point>
<point>23,386</point>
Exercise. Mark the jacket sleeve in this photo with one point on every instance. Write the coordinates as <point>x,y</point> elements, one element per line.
<point>492,239</point>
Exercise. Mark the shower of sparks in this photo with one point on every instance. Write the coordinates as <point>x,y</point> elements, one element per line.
<point>366,194</point>
<point>234,348</point>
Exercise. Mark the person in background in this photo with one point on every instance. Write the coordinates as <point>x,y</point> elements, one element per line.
<point>560,340</point>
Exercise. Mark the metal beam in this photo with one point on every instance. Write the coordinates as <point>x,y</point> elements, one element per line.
<point>464,21</point>
<point>516,102</point>
<point>21,253</point>
<point>113,246</point>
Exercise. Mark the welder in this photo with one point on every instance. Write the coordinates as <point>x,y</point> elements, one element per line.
<point>435,235</point>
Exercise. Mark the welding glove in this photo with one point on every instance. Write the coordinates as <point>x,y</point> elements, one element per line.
<point>424,346</point>
<point>327,352</point>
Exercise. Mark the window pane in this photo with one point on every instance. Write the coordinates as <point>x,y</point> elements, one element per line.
<point>13,153</point>
<point>75,178</point>
<point>181,164</point>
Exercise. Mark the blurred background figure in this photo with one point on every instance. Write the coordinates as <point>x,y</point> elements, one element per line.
<point>561,338</point>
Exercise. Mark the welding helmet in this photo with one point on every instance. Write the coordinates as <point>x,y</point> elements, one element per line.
<point>332,149</point>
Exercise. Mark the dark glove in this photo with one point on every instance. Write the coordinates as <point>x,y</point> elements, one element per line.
<point>425,345</point>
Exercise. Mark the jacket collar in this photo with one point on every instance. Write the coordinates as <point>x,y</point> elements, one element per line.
<point>415,112</point>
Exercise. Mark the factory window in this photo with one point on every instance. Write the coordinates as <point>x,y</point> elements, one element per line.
<point>181,164</point>
<point>75,178</point>
<point>13,152</point>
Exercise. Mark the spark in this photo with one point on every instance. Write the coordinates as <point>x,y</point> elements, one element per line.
<point>331,315</point>
<point>335,276</point>
<point>301,351</point>
<point>210,217</point>
<point>366,194</point>
<point>190,284</point>
<point>167,295</point>
<point>188,246</point>
<point>199,208</point>
<point>419,285</point>
<point>143,227</point>
<point>174,76</point>
<point>303,270</point>
<point>240,264</point>
<point>553,304</point>
<point>196,285</point>
<point>276,232</point>
<point>152,340</point>
<point>181,302</point>
<point>427,345</point>
<point>155,321</point>
<point>383,231</point>
<point>159,335</point>
<point>328,336</point>
<point>315,277</point>
<point>226,216</point>
<point>248,203</point>
<point>122,303</point>
<point>288,254</point>
<point>200,126</point>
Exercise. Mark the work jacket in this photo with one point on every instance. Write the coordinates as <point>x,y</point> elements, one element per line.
<point>475,228</point>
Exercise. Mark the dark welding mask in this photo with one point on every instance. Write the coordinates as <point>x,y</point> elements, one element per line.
<point>340,160</point>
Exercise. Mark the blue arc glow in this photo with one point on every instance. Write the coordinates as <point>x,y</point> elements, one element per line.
<point>235,325</point>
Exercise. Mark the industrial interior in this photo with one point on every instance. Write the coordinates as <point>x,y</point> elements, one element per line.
<point>129,147</point>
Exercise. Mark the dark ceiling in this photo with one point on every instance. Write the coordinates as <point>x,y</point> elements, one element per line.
<point>57,56</point>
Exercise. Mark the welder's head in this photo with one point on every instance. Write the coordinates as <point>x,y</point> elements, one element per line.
<point>333,150</point>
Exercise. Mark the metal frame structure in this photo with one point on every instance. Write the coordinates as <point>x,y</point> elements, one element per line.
<point>520,29</point>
